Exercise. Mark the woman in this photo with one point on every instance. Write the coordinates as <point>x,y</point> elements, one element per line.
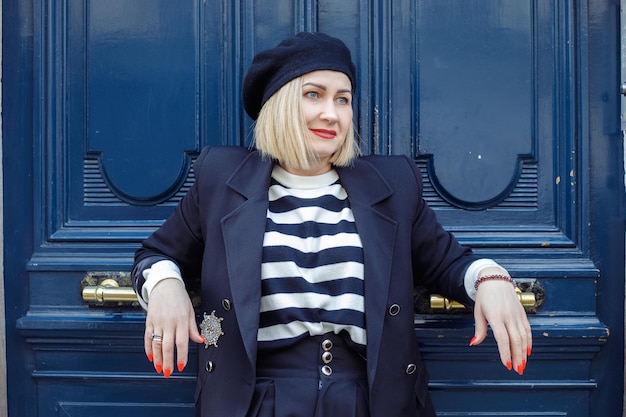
<point>308,255</point>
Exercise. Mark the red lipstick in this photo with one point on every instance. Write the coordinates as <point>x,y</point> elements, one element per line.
<point>325,133</point>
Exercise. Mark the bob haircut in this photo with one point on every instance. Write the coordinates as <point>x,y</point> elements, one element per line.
<point>280,131</point>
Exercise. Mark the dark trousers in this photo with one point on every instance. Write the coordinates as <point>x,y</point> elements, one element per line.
<point>319,376</point>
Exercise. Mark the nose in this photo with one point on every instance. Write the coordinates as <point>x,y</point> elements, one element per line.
<point>329,112</point>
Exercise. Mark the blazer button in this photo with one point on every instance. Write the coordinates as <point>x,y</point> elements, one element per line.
<point>410,369</point>
<point>394,309</point>
<point>209,366</point>
<point>226,304</point>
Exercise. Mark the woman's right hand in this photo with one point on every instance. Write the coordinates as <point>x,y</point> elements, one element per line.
<point>170,315</point>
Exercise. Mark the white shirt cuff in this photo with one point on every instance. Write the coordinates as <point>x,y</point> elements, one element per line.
<point>471,275</point>
<point>156,273</point>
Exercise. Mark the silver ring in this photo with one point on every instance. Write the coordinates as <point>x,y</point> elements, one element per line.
<point>156,337</point>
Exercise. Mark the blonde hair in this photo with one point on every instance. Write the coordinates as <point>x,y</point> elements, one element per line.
<point>280,131</point>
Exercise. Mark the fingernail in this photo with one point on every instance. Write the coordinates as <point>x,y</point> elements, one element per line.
<point>167,373</point>
<point>473,341</point>
<point>181,366</point>
<point>520,369</point>
<point>158,368</point>
<point>509,365</point>
<point>528,350</point>
<point>150,357</point>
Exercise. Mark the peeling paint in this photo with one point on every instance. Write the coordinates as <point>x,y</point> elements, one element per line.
<point>558,180</point>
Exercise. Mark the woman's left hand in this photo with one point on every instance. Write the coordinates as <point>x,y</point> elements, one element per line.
<point>498,305</point>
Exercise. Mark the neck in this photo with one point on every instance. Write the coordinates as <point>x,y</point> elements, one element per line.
<point>314,169</point>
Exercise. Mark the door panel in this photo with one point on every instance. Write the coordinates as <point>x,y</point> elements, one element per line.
<point>476,114</point>
<point>132,129</point>
<point>129,88</point>
<point>506,106</point>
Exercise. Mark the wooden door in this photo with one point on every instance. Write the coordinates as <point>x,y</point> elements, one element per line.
<point>509,107</point>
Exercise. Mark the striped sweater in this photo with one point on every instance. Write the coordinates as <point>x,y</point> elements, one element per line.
<point>312,270</point>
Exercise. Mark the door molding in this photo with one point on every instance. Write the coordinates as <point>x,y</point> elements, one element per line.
<point>3,355</point>
<point>623,117</point>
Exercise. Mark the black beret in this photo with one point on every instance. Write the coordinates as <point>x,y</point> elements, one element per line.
<point>295,56</point>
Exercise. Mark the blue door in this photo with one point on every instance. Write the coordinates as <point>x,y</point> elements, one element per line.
<point>509,107</point>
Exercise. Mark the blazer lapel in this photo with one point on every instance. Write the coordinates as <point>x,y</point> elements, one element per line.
<point>243,230</point>
<point>366,187</point>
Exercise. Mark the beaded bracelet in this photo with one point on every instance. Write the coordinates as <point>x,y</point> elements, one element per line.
<point>492,277</point>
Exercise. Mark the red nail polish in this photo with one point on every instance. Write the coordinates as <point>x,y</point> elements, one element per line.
<point>473,341</point>
<point>181,366</point>
<point>509,365</point>
<point>158,368</point>
<point>528,350</point>
<point>520,369</point>
<point>150,357</point>
<point>167,373</point>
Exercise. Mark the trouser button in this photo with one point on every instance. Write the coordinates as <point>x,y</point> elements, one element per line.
<point>327,345</point>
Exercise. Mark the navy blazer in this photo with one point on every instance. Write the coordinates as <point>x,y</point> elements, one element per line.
<point>216,233</point>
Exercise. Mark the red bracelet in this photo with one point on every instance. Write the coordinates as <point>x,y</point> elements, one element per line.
<point>492,277</point>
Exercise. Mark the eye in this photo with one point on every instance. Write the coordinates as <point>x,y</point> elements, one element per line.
<point>311,94</point>
<point>343,100</point>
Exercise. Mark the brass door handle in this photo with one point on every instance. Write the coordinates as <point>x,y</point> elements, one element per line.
<point>108,288</point>
<point>115,289</point>
<point>527,298</point>
<point>108,291</point>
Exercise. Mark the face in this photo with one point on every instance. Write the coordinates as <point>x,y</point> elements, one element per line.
<point>327,107</point>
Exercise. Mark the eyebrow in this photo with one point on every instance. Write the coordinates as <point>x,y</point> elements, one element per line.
<point>323,87</point>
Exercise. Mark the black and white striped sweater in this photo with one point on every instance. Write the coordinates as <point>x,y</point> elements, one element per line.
<point>312,271</point>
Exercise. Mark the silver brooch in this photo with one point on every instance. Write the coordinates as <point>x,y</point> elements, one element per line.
<point>211,329</point>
